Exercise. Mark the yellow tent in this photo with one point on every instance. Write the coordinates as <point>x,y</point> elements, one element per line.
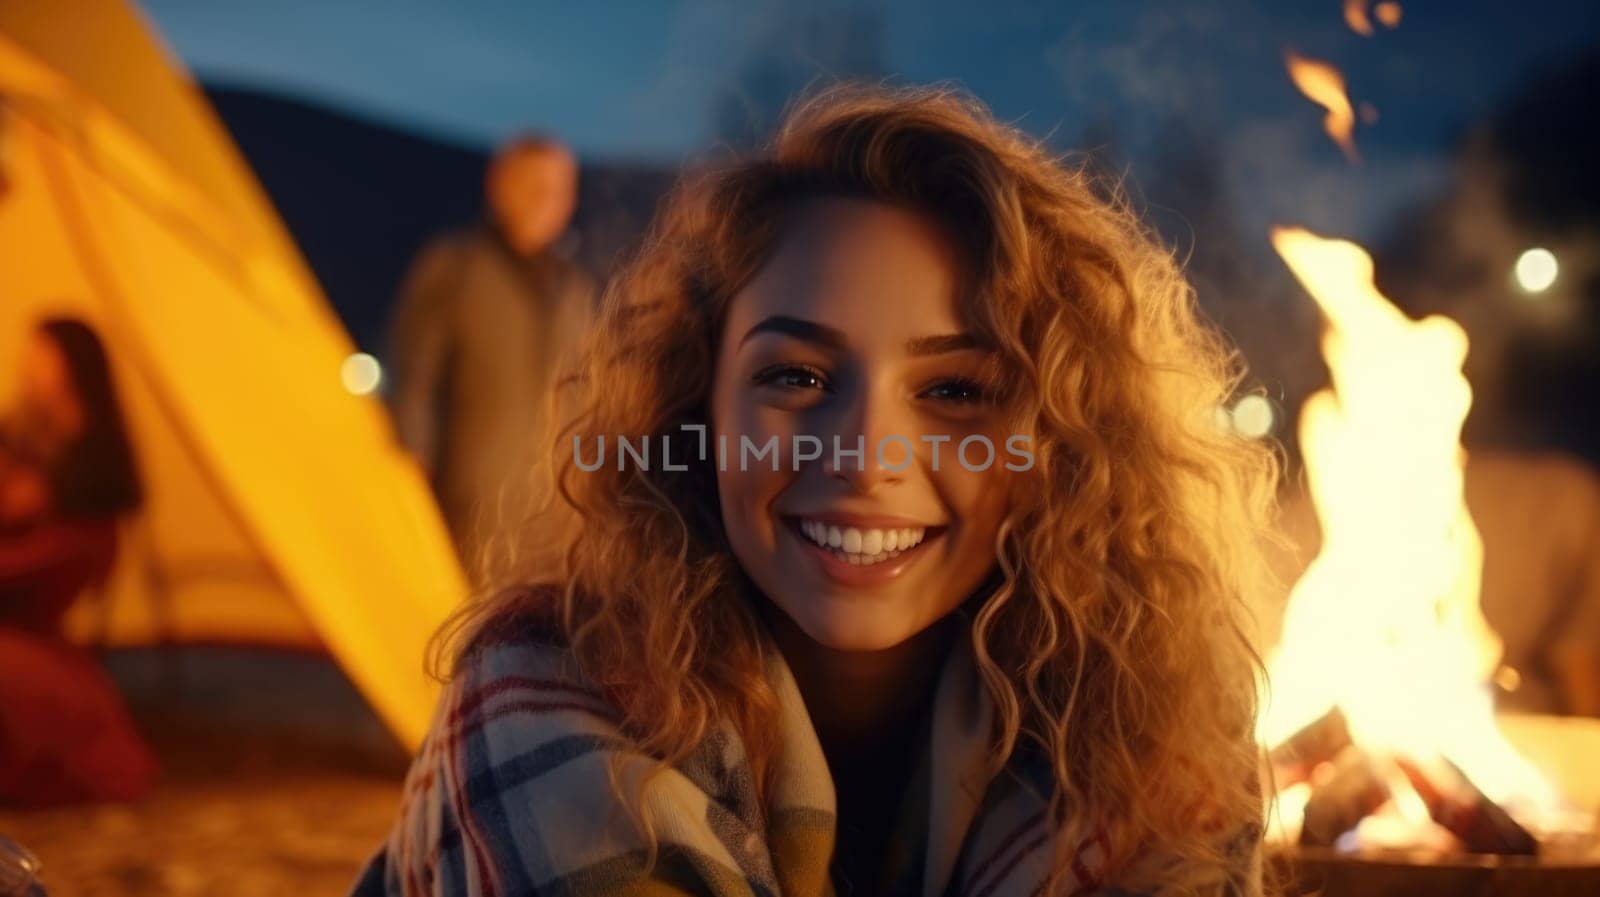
<point>281,509</point>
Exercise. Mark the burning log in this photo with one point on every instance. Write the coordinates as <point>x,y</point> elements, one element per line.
<point>1320,742</point>
<point>1347,790</point>
<point>1457,805</point>
<point>1325,873</point>
<point>1350,786</point>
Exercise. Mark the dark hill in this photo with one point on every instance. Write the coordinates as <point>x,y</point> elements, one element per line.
<point>360,197</point>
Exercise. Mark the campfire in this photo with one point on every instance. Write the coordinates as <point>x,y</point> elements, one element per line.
<point>1380,717</point>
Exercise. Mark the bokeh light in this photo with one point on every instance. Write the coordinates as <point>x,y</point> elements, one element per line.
<point>1254,417</point>
<point>1536,270</point>
<point>361,373</point>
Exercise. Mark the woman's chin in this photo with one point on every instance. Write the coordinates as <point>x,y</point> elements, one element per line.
<point>855,631</point>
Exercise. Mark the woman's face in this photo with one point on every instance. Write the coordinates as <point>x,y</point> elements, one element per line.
<point>851,331</point>
<point>47,388</point>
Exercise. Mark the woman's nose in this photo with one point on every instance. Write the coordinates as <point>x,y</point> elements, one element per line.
<point>867,446</point>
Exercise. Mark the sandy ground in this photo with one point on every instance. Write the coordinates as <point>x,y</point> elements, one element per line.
<point>276,779</point>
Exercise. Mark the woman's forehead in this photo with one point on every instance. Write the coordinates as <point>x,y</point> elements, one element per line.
<point>871,271</point>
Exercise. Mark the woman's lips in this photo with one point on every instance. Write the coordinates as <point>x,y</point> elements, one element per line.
<point>858,569</point>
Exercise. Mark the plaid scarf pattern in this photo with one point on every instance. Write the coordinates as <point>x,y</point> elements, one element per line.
<point>511,796</point>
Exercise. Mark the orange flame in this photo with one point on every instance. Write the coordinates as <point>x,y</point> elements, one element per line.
<point>1355,15</point>
<point>1323,85</point>
<point>1385,623</point>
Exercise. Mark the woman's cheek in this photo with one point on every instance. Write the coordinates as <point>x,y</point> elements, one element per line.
<point>744,453</point>
<point>977,498</point>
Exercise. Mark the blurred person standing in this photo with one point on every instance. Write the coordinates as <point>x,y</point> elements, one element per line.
<point>484,320</point>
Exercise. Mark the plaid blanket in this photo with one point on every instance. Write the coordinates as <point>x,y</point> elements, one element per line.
<point>510,796</point>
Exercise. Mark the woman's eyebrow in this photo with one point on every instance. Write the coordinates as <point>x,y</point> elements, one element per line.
<point>939,345</point>
<point>810,331</point>
<point>828,337</point>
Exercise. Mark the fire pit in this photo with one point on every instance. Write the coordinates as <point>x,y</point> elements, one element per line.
<point>1394,773</point>
<point>1563,748</point>
<point>1332,874</point>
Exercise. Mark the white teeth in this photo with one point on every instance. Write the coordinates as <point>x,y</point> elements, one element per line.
<point>852,540</point>
<point>860,546</point>
<point>871,542</point>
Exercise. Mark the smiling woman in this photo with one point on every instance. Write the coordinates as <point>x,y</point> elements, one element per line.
<point>850,332</point>
<point>898,662</point>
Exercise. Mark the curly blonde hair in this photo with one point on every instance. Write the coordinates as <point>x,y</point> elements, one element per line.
<point>1115,643</point>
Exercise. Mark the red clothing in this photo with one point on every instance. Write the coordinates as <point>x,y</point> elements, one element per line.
<point>44,567</point>
<point>65,735</point>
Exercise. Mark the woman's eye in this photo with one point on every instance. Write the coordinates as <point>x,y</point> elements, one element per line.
<point>791,376</point>
<point>957,390</point>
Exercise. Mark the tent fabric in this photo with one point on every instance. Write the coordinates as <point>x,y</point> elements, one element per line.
<point>281,508</point>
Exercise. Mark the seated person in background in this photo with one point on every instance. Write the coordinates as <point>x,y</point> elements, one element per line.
<point>66,475</point>
<point>1539,516</point>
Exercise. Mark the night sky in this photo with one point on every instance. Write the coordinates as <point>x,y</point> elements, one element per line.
<point>653,81</point>
<point>1187,100</point>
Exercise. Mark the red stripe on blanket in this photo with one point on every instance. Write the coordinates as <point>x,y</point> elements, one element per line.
<point>506,684</point>
<point>482,718</point>
<point>1089,881</point>
<point>414,883</point>
<point>487,886</point>
<point>1005,846</point>
<point>472,712</point>
<point>1028,847</point>
<point>419,783</point>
